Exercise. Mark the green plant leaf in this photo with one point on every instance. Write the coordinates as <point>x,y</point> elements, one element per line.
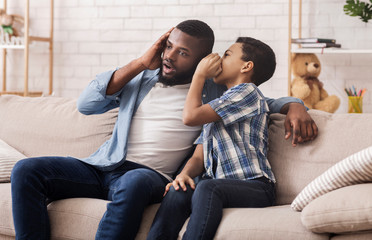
<point>356,8</point>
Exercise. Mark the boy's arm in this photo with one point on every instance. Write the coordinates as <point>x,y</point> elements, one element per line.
<point>193,168</point>
<point>195,112</point>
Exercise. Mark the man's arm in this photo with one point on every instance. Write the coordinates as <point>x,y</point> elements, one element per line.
<point>150,60</point>
<point>101,94</point>
<point>276,105</point>
<point>93,99</point>
<point>299,122</point>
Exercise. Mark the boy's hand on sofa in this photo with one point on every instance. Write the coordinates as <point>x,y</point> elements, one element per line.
<point>299,124</point>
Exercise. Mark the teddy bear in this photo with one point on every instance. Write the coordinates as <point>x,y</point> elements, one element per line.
<point>306,85</point>
<point>10,23</point>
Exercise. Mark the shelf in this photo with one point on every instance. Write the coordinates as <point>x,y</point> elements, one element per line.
<point>12,46</point>
<point>25,47</point>
<point>330,50</point>
<point>22,46</point>
<point>294,48</point>
<point>29,94</point>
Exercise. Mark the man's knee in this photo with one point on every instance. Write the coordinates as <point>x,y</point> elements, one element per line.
<point>178,197</point>
<point>23,168</point>
<point>139,184</point>
<point>139,178</point>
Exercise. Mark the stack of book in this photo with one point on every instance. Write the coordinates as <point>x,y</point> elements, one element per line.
<point>316,42</point>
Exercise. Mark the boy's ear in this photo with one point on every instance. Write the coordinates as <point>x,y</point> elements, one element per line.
<point>247,66</point>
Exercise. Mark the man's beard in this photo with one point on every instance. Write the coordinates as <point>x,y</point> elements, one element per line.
<point>180,79</point>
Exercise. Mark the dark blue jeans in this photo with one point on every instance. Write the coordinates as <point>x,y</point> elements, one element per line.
<point>35,181</point>
<point>205,205</point>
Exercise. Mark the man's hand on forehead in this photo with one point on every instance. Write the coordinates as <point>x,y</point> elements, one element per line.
<point>151,59</point>
<point>163,39</point>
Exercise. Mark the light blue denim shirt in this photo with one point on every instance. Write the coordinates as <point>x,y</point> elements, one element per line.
<point>94,100</point>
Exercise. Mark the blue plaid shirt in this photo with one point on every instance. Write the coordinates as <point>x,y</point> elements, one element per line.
<point>236,146</point>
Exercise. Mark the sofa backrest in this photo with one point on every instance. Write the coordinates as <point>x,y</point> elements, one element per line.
<point>48,126</point>
<point>340,135</point>
<point>52,126</point>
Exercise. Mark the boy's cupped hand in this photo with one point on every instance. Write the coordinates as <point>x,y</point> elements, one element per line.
<point>210,66</point>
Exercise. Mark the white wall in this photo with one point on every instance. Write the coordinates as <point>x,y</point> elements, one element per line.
<point>92,36</point>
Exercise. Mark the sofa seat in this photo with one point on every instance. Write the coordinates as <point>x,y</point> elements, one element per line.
<point>366,235</point>
<point>6,217</point>
<point>279,222</point>
<point>68,216</point>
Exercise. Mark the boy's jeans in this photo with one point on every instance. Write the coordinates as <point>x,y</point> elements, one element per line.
<point>205,205</point>
<point>35,181</point>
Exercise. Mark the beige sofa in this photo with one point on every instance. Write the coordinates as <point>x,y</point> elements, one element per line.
<point>53,126</point>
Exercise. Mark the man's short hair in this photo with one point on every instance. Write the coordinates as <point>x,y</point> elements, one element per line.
<point>261,55</point>
<point>199,30</point>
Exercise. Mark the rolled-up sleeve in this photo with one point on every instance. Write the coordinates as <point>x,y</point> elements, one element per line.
<point>93,100</point>
<point>275,105</point>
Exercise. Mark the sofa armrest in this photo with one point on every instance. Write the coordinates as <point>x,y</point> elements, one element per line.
<point>346,209</point>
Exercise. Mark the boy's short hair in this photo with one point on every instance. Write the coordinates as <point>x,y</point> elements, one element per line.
<point>261,55</point>
<point>199,30</point>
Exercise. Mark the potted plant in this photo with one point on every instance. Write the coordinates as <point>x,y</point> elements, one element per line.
<point>359,9</point>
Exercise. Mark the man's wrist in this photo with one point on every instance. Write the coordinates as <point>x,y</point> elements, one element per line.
<point>138,64</point>
<point>288,106</point>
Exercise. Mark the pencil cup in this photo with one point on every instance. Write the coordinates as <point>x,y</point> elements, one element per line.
<point>355,104</point>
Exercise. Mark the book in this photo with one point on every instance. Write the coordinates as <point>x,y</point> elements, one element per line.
<point>313,40</point>
<point>320,45</point>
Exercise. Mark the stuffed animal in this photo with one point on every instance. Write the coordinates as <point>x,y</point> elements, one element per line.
<point>306,85</point>
<point>8,22</point>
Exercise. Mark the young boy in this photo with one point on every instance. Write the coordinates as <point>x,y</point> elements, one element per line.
<point>231,149</point>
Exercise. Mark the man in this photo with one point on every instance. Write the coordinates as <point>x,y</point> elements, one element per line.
<point>148,143</point>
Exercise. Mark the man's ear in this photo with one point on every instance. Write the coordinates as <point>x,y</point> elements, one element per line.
<point>247,66</point>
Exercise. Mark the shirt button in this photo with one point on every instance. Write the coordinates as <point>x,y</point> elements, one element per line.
<point>204,95</point>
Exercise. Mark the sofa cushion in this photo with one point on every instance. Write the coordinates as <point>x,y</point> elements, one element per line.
<point>6,217</point>
<point>355,169</point>
<point>364,235</point>
<point>346,209</point>
<point>54,124</point>
<point>8,157</point>
<point>74,218</point>
<point>278,222</point>
<point>340,135</point>
<point>69,215</point>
